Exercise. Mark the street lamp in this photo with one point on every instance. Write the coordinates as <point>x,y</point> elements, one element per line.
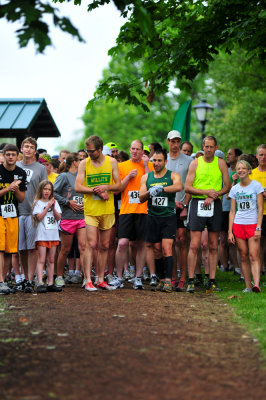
<point>202,109</point>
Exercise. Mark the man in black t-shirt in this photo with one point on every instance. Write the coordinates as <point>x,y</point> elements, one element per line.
<point>13,184</point>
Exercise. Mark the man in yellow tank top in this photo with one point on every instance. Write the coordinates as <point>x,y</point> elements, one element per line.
<point>204,182</point>
<point>259,174</point>
<point>98,177</point>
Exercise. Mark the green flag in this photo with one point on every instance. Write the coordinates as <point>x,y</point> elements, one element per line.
<point>181,121</point>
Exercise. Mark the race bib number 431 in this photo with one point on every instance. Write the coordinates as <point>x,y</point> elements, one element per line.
<point>205,211</point>
<point>133,196</point>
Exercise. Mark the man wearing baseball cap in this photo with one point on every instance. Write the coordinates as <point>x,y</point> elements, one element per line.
<point>114,149</point>
<point>179,162</point>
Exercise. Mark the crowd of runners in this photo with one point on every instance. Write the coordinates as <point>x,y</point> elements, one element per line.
<point>100,217</point>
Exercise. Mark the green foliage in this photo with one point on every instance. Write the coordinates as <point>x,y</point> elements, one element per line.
<point>31,14</point>
<point>249,307</point>
<point>183,39</point>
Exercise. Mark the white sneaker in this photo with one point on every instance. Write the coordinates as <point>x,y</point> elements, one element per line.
<point>126,275</point>
<point>117,282</point>
<point>59,281</point>
<point>138,284</point>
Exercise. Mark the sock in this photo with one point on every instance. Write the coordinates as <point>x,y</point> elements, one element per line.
<point>159,266</point>
<point>77,272</point>
<point>190,280</point>
<point>71,272</point>
<point>168,263</point>
<point>22,276</point>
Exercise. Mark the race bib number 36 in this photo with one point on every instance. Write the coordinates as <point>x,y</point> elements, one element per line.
<point>133,196</point>
<point>50,222</point>
<point>160,201</point>
<point>8,211</point>
<point>205,211</point>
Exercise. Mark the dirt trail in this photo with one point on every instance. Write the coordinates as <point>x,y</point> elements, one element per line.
<point>125,345</point>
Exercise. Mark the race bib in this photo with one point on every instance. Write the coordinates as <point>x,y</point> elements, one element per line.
<point>8,211</point>
<point>205,211</point>
<point>78,199</point>
<point>50,222</point>
<point>118,204</point>
<point>29,174</point>
<point>245,205</point>
<point>160,201</point>
<point>96,197</point>
<point>133,196</point>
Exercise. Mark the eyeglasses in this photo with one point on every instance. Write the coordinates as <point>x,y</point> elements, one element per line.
<point>91,151</point>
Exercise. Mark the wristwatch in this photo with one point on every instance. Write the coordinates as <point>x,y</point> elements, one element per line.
<point>184,205</point>
<point>258,229</point>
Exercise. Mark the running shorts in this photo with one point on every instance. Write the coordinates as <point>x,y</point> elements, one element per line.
<point>158,228</point>
<point>27,233</point>
<point>244,232</point>
<point>198,223</point>
<point>103,222</point>
<point>69,226</point>
<point>9,231</point>
<point>132,226</point>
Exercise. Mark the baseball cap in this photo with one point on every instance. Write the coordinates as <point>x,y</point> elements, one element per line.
<point>219,153</point>
<point>146,148</point>
<point>174,135</point>
<point>106,151</point>
<point>111,145</point>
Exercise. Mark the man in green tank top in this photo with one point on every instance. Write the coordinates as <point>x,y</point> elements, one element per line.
<point>204,181</point>
<point>159,188</point>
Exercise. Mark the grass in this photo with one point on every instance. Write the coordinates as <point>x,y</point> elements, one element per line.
<point>250,308</point>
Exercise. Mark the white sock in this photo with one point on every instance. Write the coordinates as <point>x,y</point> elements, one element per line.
<point>77,272</point>
<point>71,272</point>
<point>18,278</point>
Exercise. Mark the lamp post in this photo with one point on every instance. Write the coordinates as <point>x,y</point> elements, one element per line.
<point>202,109</point>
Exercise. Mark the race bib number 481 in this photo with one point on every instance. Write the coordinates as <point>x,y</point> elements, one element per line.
<point>8,211</point>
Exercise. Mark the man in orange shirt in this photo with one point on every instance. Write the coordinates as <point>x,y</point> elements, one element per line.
<point>132,216</point>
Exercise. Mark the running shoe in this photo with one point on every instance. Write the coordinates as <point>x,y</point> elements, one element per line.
<point>29,287</point>
<point>190,287</point>
<point>59,281</point>
<point>4,289</point>
<point>109,278</point>
<point>117,282</point>
<point>247,290</point>
<point>256,289</point>
<point>167,287</point>
<point>75,279</point>
<point>44,278</point>
<point>174,283</point>
<point>212,287</point>
<point>89,286</point>
<point>53,288</point>
<point>146,274</point>
<point>126,275</point>
<point>137,285</point>
<point>41,289</point>
<point>154,280</point>
<point>84,282</point>
<point>158,288</point>
<point>181,287</point>
<point>103,285</point>
<point>20,286</point>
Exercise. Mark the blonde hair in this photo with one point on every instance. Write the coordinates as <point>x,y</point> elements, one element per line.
<point>245,163</point>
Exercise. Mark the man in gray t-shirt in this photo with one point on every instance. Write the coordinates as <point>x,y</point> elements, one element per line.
<point>35,174</point>
<point>179,162</point>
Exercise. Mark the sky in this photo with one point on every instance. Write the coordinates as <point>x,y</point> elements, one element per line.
<point>67,74</point>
